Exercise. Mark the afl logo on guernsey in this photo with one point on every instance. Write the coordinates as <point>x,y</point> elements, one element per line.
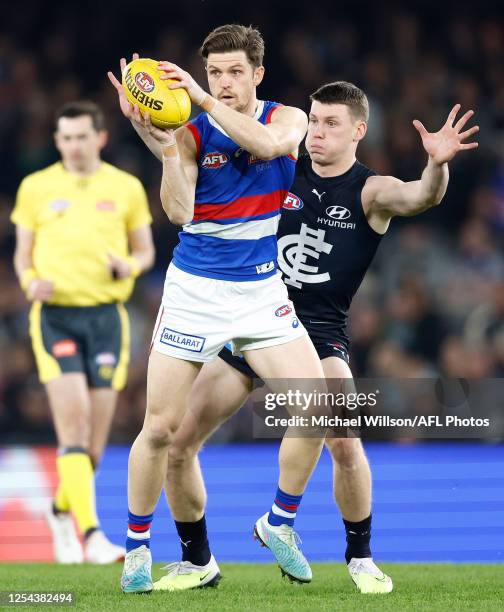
<point>338,212</point>
<point>144,82</point>
<point>292,202</point>
<point>214,160</point>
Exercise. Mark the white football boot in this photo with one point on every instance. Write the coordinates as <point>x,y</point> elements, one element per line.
<point>283,542</point>
<point>100,551</point>
<point>66,545</point>
<point>369,578</point>
<point>137,572</point>
<point>183,575</point>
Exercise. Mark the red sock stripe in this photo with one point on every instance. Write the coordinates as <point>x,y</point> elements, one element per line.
<point>139,528</point>
<point>287,507</point>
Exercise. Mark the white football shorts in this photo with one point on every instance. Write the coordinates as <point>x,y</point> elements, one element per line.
<point>199,315</point>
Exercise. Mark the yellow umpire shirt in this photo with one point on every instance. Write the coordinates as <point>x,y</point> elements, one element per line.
<point>76,221</point>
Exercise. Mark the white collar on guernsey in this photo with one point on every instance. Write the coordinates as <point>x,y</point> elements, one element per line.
<point>257,114</point>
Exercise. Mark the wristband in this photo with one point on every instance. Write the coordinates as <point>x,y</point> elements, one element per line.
<point>170,151</point>
<point>208,103</point>
<point>134,266</point>
<point>27,276</point>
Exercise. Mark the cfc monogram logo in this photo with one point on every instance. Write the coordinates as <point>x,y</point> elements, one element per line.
<point>293,252</point>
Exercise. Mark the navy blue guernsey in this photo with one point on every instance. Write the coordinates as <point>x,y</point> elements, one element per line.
<point>325,244</point>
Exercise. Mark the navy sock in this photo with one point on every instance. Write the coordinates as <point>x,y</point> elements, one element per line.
<point>358,536</point>
<point>194,541</point>
<point>138,531</point>
<point>284,509</point>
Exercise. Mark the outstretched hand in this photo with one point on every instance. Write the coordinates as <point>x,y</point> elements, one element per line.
<point>128,110</point>
<point>182,79</point>
<point>442,146</point>
<point>165,137</point>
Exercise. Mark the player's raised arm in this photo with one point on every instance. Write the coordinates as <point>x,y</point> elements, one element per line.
<point>387,196</point>
<point>132,113</point>
<point>280,137</point>
<point>180,171</point>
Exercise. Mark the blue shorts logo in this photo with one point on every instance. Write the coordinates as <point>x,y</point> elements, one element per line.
<point>295,322</point>
<point>171,337</point>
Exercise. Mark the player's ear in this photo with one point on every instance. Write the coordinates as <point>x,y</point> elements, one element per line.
<point>102,138</point>
<point>258,75</point>
<point>360,131</point>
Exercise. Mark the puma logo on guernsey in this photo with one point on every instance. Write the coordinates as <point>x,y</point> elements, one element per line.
<point>214,160</point>
<point>319,195</point>
<point>172,337</point>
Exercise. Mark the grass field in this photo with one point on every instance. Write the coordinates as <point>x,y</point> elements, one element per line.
<point>260,588</point>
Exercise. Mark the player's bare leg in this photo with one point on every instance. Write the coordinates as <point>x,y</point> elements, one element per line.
<point>70,407</point>
<point>298,455</point>
<point>169,382</point>
<point>352,493</point>
<point>352,478</point>
<point>218,392</point>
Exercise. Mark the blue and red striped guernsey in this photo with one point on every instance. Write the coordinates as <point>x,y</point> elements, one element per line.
<point>237,206</point>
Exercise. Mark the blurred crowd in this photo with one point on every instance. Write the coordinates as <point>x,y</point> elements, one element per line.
<point>433,302</point>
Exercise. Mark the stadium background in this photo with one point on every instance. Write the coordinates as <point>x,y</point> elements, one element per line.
<point>432,304</point>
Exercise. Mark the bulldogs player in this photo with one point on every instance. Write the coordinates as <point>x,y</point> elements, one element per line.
<point>332,223</point>
<point>225,177</point>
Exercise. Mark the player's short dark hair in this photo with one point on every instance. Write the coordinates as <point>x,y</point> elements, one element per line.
<point>79,109</point>
<point>235,37</point>
<point>343,92</point>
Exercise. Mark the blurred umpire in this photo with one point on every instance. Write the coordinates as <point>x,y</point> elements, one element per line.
<point>82,237</point>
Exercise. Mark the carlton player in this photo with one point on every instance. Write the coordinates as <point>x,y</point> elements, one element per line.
<point>225,177</point>
<point>332,222</point>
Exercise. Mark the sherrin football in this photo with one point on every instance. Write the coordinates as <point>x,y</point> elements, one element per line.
<point>168,108</point>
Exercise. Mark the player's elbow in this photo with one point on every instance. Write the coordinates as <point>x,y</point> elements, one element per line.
<point>265,152</point>
<point>270,148</point>
<point>177,213</point>
<point>177,217</point>
<point>430,202</point>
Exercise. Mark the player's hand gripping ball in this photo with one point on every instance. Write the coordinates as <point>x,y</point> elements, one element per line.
<point>168,108</point>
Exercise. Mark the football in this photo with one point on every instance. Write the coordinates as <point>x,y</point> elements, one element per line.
<point>168,108</point>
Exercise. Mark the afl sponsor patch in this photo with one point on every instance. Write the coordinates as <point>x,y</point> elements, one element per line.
<point>292,202</point>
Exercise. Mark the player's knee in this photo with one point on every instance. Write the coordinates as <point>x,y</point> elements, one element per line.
<point>180,455</point>
<point>159,432</point>
<point>346,452</point>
